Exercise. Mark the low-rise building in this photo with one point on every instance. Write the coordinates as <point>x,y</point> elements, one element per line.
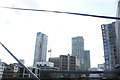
<point>101,66</point>
<point>46,66</point>
<point>55,60</point>
<point>65,62</point>
<point>11,70</point>
<point>2,67</point>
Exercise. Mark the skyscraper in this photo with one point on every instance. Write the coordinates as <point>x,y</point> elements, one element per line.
<point>117,27</point>
<point>109,42</point>
<point>78,49</point>
<point>40,48</point>
<point>87,59</point>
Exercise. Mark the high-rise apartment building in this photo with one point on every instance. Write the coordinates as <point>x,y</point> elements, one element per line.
<point>117,28</point>
<point>78,49</point>
<point>109,42</point>
<point>87,60</point>
<point>40,48</point>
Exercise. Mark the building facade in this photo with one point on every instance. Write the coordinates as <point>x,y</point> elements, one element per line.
<point>40,48</point>
<point>65,62</point>
<point>101,66</point>
<point>9,71</point>
<point>87,60</point>
<point>2,67</point>
<point>78,49</point>
<point>117,28</point>
<point>55,60</point>
<point>109,42</point>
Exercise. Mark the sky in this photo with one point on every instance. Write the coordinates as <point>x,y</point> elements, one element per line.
<point>18,29</point>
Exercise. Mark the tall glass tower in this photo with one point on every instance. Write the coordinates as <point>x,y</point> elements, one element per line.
<point>78,49</point>
<point>87,59</point>
<point>40,48</point>
<point>109,42</point>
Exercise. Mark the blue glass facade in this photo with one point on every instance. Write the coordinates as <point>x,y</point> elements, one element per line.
<point>109,43</point>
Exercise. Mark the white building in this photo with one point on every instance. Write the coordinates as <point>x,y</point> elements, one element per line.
<point>2,67</point>
<point>96,75</point>
<point>45,64</point>
<point>101,66</point>
<point>95,69</point>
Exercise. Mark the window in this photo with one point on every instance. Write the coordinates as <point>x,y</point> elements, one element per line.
<point>106,57</point>
<point>104,37</point>
<point>105,43</point>
<point>107,62</point>
<point>105,50</point>
<point>109,53</point>
<point>104,34</point>
<point>107,66</point>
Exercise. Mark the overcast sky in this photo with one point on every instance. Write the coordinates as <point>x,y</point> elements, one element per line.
<point>18,28</point>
